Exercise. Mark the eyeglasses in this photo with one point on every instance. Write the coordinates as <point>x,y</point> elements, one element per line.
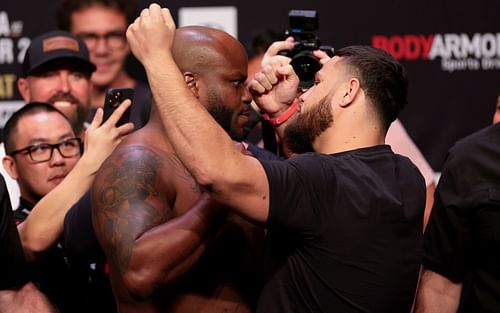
<point>42,152</point>
<point>114,40</point>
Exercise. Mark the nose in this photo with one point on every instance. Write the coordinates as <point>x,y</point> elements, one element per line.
<point>247,96</point>
<point>57,159</point>
<point>305,94</point>
<point>101,46</point>
<point>64,83</point>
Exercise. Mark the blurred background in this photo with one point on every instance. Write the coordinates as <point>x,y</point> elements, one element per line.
<point>451,50</point>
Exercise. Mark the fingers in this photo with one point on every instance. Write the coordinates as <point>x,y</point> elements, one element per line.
<point>150,16</point>
<point>144,14</point>
<point>288,72</point>
<point>167,18</point>
<point>264,81</point>
<point>97,120</point>
<point>269,76</point>
<point>322,56</point>
<point>115,116</point>
<point>125,129</point>
<point>278,46</point>
<point>155,12</point>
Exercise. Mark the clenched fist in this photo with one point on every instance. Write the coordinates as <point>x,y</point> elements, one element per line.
<point>151,35</point>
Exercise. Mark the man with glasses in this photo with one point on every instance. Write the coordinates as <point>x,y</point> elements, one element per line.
<point>56,70</point>
<point>42,149</point>
<point>102,25</point>
<point>44,157</point>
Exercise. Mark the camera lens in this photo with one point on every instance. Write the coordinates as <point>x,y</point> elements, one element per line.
<point>305,66</point>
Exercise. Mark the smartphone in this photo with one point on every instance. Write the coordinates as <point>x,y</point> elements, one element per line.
<point>114,97</point>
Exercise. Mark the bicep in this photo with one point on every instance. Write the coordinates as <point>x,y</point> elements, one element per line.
<point>118,225</point>
<point>125,204</point>
<point>247,192</point>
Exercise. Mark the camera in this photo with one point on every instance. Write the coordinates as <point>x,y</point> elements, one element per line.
<point>302,27</point>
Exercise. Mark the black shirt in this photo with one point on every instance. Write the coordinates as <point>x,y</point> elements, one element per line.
<point>13,273</point>
<point>87,259</point>
<point>344,233</point>
<point>462,239</point>
<point>51,273</point>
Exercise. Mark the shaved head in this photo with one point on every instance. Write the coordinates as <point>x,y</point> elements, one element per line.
<point>197,48</point>
<point>214,65</point>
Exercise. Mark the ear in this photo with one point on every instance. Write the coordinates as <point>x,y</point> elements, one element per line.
<point>24,90</point>
<point>9,164</point>
<point>191,83</point>
<point>351,90</point>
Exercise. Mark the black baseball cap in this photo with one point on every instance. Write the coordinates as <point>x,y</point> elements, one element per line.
<point>55,45</point>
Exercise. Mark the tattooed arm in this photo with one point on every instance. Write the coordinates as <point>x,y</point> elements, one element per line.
<point>148,243</point>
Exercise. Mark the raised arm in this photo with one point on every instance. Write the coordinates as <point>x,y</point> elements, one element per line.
<point>437,294</point>
<point>149,245</point>
<point>44,226</point>
<point>202,145</point>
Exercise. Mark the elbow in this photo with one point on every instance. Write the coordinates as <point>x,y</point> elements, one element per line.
<point>33,249</point>
<point>205,179</point>
<point>140,283</point>
<point>215,182</point>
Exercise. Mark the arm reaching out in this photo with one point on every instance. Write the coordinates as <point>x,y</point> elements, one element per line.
<point>44,226</point>
<point>202,145</point>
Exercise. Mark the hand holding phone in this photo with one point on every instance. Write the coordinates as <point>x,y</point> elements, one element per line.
<point>114,97</point>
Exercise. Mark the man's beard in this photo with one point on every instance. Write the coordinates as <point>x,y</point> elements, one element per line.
<point>78,116</point>
<point>223,116</point>
<point>300,134</point>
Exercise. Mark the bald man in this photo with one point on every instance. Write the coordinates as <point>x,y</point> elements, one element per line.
<point>169,247</point>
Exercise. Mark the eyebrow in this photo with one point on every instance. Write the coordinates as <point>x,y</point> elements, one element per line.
<point>39,140</point>
<point>115,30</point>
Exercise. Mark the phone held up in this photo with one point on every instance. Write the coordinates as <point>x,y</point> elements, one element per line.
<point>114,97</point>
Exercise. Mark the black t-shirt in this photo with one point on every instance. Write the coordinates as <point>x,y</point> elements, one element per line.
<point>52,274</point>
<point>13,273</point>
<point>87,259</point>
<point>344,233</point>
<point>462,239</point>
<point>262,154</point>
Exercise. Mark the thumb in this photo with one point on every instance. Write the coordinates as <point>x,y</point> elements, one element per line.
<point>288,72</point>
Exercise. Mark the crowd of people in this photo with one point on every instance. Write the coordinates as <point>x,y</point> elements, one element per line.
<point>178,211</point>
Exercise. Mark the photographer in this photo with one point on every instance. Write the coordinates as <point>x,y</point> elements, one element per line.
<point>345,222</point>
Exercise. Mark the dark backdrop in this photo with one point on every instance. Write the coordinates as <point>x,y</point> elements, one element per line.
<point>444,105</point>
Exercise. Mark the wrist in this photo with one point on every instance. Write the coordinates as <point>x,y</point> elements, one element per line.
<point>280,117</point>
<point>85,167</point>
<point>158,60</point>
